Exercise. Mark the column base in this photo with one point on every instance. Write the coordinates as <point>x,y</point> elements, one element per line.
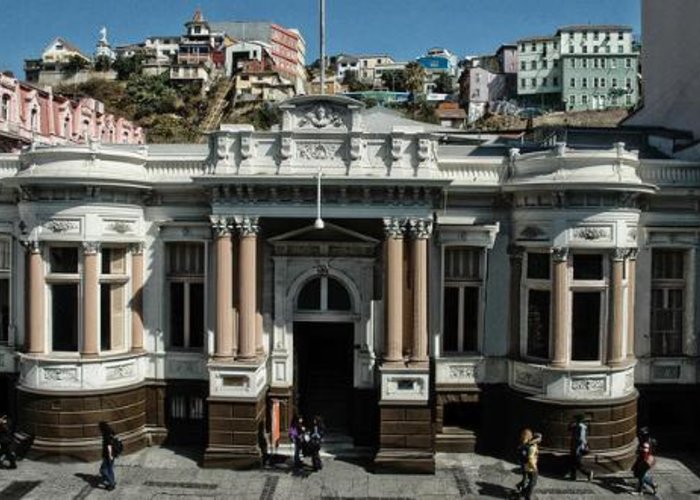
<point>405,440</point>
<point>236,433</point>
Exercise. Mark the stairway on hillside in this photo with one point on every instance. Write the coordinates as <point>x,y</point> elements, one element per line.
<point>219,102</point>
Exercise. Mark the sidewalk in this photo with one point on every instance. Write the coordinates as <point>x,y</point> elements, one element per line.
<point>162,473</point>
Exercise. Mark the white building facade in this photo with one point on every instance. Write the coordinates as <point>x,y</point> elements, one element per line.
<point>450,296</point>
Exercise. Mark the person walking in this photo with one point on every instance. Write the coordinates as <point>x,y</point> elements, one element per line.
<point>642,468</point>
<point>530,441</point>
<point>108,456</point>
<point>318,430</point>
<point>579,448</point>
<point>296,435</point>
<point>7,443</point>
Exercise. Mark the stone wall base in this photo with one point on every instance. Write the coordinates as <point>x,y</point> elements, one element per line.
<point>406,442</point>
<point>65,426</point>
<point>236,433</point>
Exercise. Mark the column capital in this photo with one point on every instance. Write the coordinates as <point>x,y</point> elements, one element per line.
<point>632,253</point>
<point>91,247</point>
<point>32,246</point>
<point>560,254</point>
<point>619,254</point>
<point>220,226</point>
<point>136,248</point>
<point>247,225</point>
<point>516,251</point>
<point>393,227</point>
<point>419,228</point>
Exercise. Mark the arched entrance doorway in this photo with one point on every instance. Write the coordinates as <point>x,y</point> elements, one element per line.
<point>324,329</point>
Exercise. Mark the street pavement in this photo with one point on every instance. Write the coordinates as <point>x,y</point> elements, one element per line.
<point>163,473</point>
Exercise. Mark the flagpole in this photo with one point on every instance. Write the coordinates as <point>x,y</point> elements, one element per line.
<point>323,44</point>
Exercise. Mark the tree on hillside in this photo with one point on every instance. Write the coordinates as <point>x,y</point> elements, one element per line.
<point>75,64</point>
<point>102,63</point>
<point>414,74</point>
<point>444,84</point>
<point>152,95</point>
<point>127,66</point>
<point>353,83</point>
<point>394,80</point>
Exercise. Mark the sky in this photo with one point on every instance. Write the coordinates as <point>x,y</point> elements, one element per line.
<point>404,29</point>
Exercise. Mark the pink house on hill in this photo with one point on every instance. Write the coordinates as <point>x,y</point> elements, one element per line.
<point>30,114</point>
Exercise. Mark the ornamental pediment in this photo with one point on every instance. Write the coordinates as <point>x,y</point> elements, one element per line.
<point>321,114</point>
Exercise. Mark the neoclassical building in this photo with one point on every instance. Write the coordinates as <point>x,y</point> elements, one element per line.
<point>422,291</point>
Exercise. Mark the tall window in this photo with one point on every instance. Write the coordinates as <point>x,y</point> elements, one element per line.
<point>185,276</point>
<point>538,297</point>
<point>5,266</point>
<point>64,282</point>
<point>462,292</point>
<point>113,290</point>
<point>34,119</point>
<point>5,108</point>
<point>587,291</point>
<point>667,301</point>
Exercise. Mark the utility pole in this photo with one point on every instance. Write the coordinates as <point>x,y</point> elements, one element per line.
<point>323,44</point>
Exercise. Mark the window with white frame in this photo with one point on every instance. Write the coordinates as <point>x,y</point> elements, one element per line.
<point>463,283</point>
<point>5,274</point>
<point>587,286</point>
<point>667,301</point>
<point>113,298</point>
<point>63,278</point>
<point>185,278</point>
<point>538,297</point>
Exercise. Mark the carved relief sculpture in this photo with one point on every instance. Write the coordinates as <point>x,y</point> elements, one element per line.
<point>320,116</point>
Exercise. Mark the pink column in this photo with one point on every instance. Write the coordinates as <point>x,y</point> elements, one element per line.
<point>248,228</point>
<point>36,342</point>
<point>420,230</point>
<point>560,340</point>
<point>393,298</point>
<point>137,297</point>
<point>91,286</point>
<point>631,283</point>
<point>616,354</point>
<point>223,348</point>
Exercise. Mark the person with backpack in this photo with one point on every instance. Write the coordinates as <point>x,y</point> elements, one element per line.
<point>528,451</point>
<point>579,448</point>
<point>112,447</point>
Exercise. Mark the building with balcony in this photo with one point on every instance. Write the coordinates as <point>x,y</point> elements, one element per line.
<point>438,296</point>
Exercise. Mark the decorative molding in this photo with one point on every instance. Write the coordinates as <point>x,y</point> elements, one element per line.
<point>118,372</point>
<point>220,226</point>
<point>589,384</point>
<point>560,254</point>
<point>247,226</point>
<point>420,228</point>
<point>632,234</point>
<point>528,377</point>
<point>91,247</point>
<point>60,374</point>
<point>533,233</point>
<point>322,270</point>
<point>462,371</point>
<point>318,151</point>
<point>32,246</point>
<point>320,116</point>
<point>619,254</point>
<point>393,227</point>
<point>666,371</point>
<point>592,233</point>
<point>120,226</point>
<point>427,150</point>
<point>61,225</point>
<point>136,248</point>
